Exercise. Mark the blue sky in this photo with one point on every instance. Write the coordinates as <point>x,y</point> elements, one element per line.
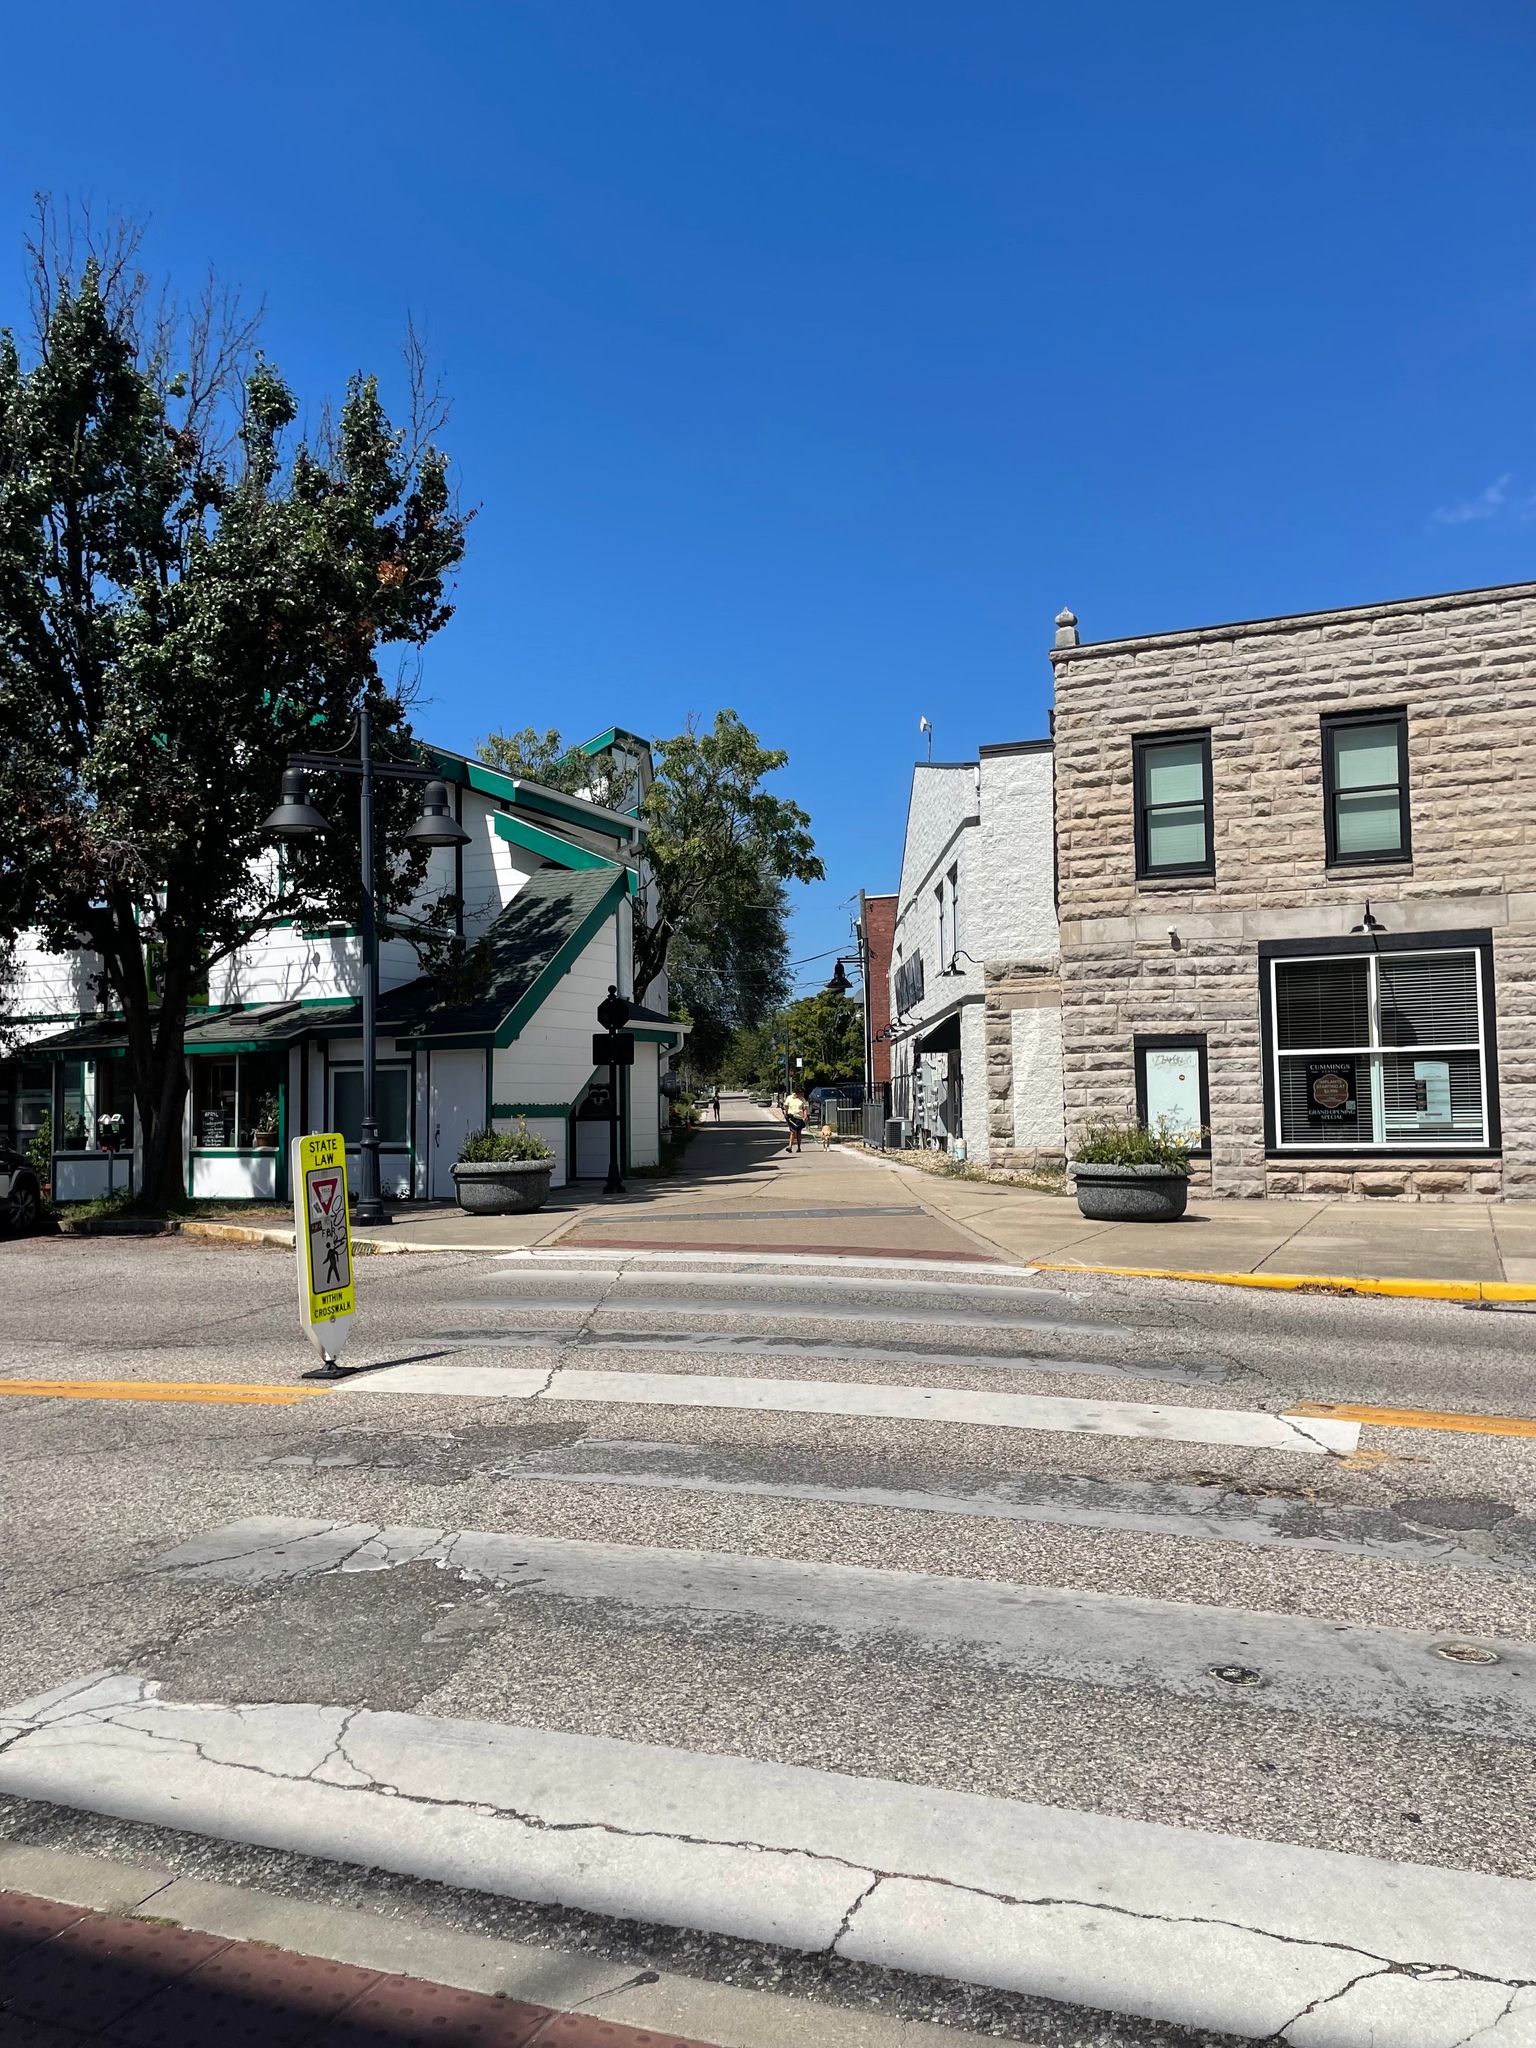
<point>808,358</point>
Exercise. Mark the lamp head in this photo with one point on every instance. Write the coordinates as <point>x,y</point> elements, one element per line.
<point>295,822</point>
<point>437,825</point>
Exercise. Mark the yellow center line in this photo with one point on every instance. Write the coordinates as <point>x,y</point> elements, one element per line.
<point>1419,1418</point>
<point>237,1395</point>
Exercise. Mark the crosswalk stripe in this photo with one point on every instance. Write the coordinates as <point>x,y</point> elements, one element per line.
<point>826,1283</point>
<point>1249,1428</point>
<point>624,1256</point>
<point>690,1308</point>
<point>240,1394</point>
<point>1217,1512</point>
<point>1396,1676</point>
<point>1182,1925</point>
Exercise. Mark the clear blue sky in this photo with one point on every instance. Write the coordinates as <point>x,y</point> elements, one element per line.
<point>807,358</point>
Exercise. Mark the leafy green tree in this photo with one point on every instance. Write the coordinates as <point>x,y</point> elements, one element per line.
<point>719,847</point>
<point>826,1030</point>
<point>187,593</point>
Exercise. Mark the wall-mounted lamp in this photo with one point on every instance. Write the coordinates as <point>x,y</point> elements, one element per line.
<point>958,955</point>
<point>1368,926</point>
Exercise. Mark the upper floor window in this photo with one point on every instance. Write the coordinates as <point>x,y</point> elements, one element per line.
<point>941,899</point>
<point>954,914</point>
<point>1365,787</point>
<point>1173,805</point>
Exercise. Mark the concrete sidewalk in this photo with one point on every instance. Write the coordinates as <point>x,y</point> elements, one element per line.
<point>740,1190</point>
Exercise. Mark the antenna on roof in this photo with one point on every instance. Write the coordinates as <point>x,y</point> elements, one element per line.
<point>926,725</point>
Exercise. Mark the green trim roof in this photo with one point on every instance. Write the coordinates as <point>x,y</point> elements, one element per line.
<point>533,796</point>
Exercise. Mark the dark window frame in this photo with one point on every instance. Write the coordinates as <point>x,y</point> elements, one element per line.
<point>1172,1041</point>
<point>1142,745</point>
<point>1334,722</point>
<point>1479,941</point>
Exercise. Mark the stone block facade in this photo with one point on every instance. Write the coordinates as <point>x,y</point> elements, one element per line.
<point>1183,954</point>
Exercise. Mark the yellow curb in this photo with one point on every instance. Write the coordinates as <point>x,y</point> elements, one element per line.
<point>236,1233</point>
<point>1315,1283</point>
<point>1418,1418</point>
<point>240,1394</point>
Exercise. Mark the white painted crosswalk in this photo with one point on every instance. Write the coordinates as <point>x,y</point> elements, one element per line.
<point>1248,1428</point>
<point>629,1512</point>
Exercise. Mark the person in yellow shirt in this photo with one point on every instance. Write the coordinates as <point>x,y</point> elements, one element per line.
<point>797,1114</point>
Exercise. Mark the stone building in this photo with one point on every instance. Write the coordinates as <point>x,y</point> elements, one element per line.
<point>1297,887</point>
<point>975,998</point>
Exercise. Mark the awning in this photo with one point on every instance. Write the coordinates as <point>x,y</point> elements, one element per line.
<point>944,1037</point>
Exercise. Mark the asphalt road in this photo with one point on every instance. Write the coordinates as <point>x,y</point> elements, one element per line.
<point>940,1536</point>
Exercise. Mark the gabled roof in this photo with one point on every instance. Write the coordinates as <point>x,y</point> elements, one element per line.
<point>534,796</point>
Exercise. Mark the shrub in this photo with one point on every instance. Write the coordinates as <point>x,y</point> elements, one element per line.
<point>40,1151</point>
<point>1112,1143</point>
<point>487,1148</point>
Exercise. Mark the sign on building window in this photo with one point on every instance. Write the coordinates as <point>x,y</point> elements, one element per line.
<point>1173,1088</point>
<point>1330,1091</point>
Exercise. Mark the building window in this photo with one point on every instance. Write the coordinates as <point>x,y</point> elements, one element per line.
<point>1381,1050</point>
<point>1173,805</point>
<point>235,1102</point>
<point>1365,787</point>
<point>954,914</point>
<point>941,898</point>
<point>1172,1090</point>
<point>392,1104</point>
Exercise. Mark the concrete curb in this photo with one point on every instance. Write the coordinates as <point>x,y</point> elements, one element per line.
<point>1312,1283</point>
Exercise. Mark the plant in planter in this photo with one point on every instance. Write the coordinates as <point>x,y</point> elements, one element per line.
<point>503,1173</point>
<point>264,1125</point>
<point>75,1133</point>
<point>1125,1172</point>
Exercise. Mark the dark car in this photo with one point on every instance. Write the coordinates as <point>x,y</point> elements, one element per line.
<point>21,1197</point>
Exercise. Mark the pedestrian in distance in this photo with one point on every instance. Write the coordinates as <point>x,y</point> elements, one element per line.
<point>715,1105</point>
<point>797,1114</point>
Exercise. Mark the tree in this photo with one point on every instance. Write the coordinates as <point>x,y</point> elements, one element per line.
<point>719,847</point>
<point>826,1030</point>
<point>186,595</point>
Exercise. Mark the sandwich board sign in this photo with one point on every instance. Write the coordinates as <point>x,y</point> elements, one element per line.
<point>323,1237</point>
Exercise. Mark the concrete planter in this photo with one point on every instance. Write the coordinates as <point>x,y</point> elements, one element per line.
<point>502,1187</point>
<point>1130,1194</point>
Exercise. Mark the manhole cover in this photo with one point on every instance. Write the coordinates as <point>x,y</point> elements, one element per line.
<point>1466,1653</point>
<point>1235,1674</point>
<point>1455,1514</point>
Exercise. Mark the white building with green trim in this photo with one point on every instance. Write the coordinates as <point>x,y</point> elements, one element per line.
<point>548,889</point>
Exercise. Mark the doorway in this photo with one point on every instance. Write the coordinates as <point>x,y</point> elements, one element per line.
<point>456,1107</point>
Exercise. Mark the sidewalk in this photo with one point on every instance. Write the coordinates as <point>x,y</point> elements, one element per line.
<point>739,1190</point>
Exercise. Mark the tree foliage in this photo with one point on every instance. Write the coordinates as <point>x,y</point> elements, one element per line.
<point>188,591</point>
<point>825,1030</point>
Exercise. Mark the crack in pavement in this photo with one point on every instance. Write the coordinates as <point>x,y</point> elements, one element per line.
<point>120,1717</point>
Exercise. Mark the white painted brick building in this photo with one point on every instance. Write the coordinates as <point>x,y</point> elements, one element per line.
<point>975,994</point>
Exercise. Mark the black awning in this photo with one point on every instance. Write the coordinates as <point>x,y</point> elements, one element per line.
<point>944,1037</point>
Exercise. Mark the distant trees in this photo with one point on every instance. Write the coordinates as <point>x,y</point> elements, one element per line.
<point>825,1030</point>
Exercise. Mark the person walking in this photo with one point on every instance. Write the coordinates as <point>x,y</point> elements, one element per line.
<point>715,1105</point>
<point>797,1114</point>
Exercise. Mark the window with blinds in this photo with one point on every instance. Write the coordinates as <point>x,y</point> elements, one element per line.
<point>1379,1049</point>
<point>1365,787</point>
<point>1173,805</point>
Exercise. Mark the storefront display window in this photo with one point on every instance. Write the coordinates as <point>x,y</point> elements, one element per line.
<point>235,1102</point>
<point>1380,1049</point>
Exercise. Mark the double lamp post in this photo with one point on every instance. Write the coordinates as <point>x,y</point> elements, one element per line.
<point>296,822</point>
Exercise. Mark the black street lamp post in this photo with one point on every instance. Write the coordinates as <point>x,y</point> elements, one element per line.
<point>613,1015</point>
<point>296,822</point>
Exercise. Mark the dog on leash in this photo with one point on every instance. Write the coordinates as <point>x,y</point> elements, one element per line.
<point>827,1135</point>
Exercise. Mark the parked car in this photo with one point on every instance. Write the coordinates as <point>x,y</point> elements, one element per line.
<point>21,1198</point>
<point>851,1092</point>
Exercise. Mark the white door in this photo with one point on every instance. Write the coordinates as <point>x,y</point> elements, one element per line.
<point>456,1107</point>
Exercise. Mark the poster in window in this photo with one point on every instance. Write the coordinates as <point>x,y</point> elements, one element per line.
<point>1432,1092</point>
<point>1330,1091</point>
<point>1173,1088</point>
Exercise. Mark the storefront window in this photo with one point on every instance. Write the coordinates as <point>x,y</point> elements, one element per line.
<point>1380,1049</point>
<point>114,1105</point>
<point>26,1100</point>
<point>235,1102</point>
<point>393,1104</point>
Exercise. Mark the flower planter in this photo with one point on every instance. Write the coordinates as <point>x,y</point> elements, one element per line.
<point>502,1187</point>
<point>74,1141</point>
<point>1130,1194</point>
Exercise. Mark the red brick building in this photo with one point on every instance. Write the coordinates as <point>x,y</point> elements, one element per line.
<point>877,933</point>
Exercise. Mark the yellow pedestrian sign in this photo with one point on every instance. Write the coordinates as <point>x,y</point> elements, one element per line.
<point>323,1237</point>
